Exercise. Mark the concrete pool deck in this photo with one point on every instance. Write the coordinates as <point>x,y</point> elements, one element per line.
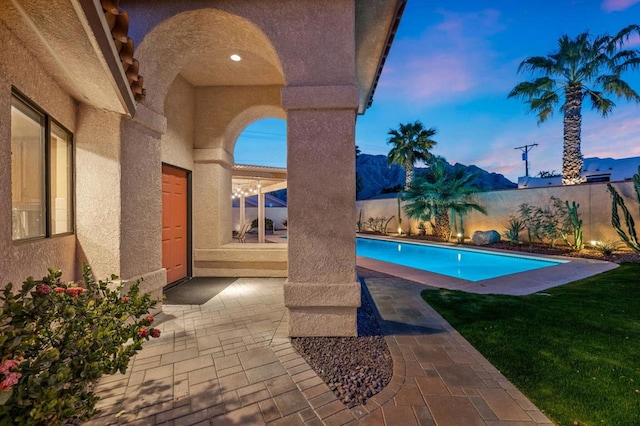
<point>520,284</point>
<point>224,359</point>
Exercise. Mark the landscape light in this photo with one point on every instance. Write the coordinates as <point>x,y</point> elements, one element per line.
<point>235,58</point>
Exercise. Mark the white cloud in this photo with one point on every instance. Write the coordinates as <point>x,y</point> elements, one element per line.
<point>617,5</point>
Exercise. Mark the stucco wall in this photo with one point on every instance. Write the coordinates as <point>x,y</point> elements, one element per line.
<point>594,201</point>
<point>179,108</point>
<point>20,68</point>
<point>98,191</point>
<point>217,110</point>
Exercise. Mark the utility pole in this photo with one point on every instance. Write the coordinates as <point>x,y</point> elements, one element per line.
<point>525,156</point>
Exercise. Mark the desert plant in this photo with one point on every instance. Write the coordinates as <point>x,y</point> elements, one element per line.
<point>606,247</point>
<point>268,224</point>
<point>529,221</point>
<point>57,339</point>
<point>513,229</point>
<point>554,221</point>
<point>359,222</point>
<point>631,240</point>
<point>379,224</point>
<point>573,224</point>
<point>422,229</point>
<point>400,213</point>
<point>442,194</point>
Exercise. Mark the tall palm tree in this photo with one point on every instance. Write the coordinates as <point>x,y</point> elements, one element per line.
<point>583,67</point>
<point>442,195</point>
<point>411,142</point>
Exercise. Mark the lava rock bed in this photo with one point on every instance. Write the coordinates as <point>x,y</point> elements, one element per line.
<point>354,368</point>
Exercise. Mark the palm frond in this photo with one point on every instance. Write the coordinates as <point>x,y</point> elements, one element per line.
<point>613,84</point>
<point>600,103</point>
<point>623,35</point>
<point>629,64</point>
<point>537,63</point>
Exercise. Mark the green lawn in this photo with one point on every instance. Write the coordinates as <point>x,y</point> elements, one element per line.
<point>573,350</point>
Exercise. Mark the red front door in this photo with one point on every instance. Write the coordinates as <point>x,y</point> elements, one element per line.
<point>174,223</point>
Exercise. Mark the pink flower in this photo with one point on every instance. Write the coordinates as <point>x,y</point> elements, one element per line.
<point>10,379</point>
<point>144,332</point>
<point>8,365</point>
<point>149,319</point>
<point>59,290</point>
<point>74,291</point>
<point>125,299</point>
<point>155,333</point>
<point>43,289</point>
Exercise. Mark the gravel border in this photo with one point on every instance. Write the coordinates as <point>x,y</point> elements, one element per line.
<point>354,368</point>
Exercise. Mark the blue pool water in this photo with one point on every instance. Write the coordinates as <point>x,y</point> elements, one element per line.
<point>455,262</point>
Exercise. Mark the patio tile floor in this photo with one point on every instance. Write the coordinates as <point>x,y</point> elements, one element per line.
<point>229,361</point>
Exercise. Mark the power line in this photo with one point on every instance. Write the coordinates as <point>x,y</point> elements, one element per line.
<point>525,156</point>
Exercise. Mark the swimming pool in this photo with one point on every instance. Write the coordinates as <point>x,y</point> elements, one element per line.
<point>466,264</point>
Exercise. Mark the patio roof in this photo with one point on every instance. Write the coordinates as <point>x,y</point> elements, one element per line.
<point>268,178</point>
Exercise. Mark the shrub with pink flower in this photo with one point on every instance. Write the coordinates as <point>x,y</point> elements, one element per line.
<point>57,339</point>
<point>44,289</point>
<point>9,377</point>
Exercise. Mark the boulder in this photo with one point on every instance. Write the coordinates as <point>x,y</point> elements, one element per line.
<point>482,238</point>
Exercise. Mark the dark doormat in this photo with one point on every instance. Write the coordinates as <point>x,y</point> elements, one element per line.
<point>196,291</point>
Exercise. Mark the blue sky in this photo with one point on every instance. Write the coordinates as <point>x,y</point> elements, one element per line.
<point>452,65</point>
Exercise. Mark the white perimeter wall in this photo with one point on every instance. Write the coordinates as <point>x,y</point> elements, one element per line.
<point>594,200</point>
<point>276,214</point>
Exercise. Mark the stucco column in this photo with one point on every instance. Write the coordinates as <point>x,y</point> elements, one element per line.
<point>243,212</point>
<point>261,226</point>
<point>321,293</point>
<point>212,215</point>
<point>98,206</point>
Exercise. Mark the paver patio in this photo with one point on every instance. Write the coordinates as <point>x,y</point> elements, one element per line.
<point>228,361</point>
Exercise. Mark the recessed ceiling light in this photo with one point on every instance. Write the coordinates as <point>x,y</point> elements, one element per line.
<point>235,57</point>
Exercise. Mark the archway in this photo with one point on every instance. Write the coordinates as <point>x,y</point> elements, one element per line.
<point>259,182</point>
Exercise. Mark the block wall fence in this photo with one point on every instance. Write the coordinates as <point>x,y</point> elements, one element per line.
<point>594,200</point>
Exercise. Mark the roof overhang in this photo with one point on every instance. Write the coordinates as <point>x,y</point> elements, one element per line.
<point>71,38</point>
<point>376,25</point>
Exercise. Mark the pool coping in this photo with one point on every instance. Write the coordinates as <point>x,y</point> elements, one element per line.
<point>519,284</point>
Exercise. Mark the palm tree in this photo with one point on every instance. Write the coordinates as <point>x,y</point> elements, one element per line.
<point>442,195</point>
<point>411,142</point>
<point>576,71</point>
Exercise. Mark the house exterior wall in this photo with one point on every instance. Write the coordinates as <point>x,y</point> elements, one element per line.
<point>179,107</point>
<point>98,190</point>
<point>594,200</point>
<point>19,67</point>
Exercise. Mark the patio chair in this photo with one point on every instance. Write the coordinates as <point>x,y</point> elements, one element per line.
<point>241,235</point>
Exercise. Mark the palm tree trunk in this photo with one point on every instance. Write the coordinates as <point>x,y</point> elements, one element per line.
<point>408,176</point>
<point>572,155</point>
<point>442,226</point>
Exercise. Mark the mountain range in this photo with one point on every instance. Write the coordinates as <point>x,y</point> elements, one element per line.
<point>378,179</point>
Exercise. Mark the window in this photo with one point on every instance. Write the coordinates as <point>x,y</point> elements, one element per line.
<point>41,173</point>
